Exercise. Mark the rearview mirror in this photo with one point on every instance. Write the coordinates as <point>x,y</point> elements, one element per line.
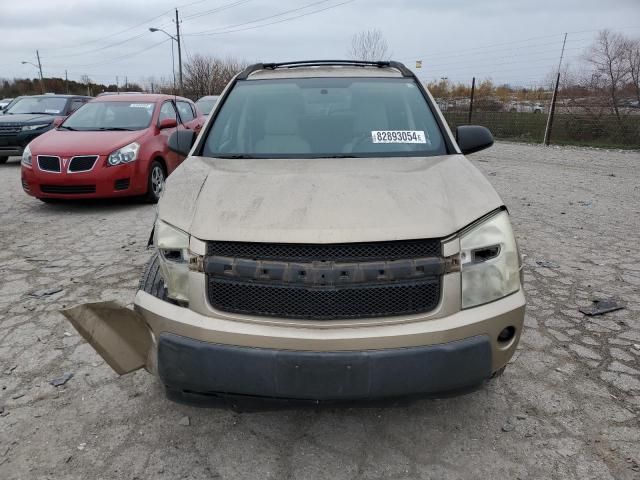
<point>181,141</point>
<point>167,123</point>
<point>473,138</point>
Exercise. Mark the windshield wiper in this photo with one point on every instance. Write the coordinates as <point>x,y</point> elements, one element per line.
<point>339,156</point>
<point>68,128</point>
<point>235,156</point>
<point>114,129</point>
<point>41,113</point>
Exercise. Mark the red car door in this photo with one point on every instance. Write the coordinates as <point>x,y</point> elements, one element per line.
<point>167,110</point>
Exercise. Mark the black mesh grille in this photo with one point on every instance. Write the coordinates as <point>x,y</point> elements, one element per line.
<point>82,164</point>
<point>337,252</point>
<point>322,303</point>
<point>68,189</point>
<point>10,129</point>
<point>49,163</point>
<point>121,184</point>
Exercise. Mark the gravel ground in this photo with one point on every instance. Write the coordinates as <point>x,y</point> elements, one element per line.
<point>567,406</point>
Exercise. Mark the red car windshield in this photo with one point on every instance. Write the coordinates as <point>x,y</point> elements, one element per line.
<point>98,116</point>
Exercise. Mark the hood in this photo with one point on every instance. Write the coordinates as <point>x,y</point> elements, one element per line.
<point>327,200</point>
<point>26,118</point>
<point>66,142</point>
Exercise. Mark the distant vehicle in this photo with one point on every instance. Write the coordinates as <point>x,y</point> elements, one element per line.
<point>4,102</point>
<point>207,103</point>
<point>28,117</point>
<point>118,93</point>
<point>525,107</point>
<point>114,146</point>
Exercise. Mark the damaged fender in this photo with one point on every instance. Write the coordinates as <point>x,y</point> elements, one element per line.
<point>119,334</point>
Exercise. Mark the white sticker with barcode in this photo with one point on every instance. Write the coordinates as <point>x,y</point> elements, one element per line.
<point>398,136</point>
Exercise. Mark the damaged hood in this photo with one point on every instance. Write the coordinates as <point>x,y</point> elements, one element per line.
<point>326,200</point>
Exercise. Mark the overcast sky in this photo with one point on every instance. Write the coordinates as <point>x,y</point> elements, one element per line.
<point>515,41</point>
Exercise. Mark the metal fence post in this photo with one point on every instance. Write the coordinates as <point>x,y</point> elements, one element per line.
<point>473,89</point>
<point>552,108</point>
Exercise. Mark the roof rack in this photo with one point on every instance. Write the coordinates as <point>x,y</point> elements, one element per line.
<point>316,63</point>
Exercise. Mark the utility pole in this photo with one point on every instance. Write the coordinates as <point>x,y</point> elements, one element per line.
<point>126,83</point>
<point>40,69</point>
<point>66,82</point>
<point>473,90</point>
<point>117,86</point>
<point>179,52</point>
<point>552,108</point>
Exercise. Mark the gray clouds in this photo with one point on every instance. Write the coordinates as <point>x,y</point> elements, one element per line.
<point>446,35</point>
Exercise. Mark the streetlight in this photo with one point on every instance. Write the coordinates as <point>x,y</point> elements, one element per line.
<point>39,67</point>
<point>176,39</point>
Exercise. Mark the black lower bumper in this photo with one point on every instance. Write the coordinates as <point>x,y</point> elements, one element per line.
<point>192,369</point>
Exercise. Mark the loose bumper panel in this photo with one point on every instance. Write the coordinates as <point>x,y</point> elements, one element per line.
<point>200,367</point>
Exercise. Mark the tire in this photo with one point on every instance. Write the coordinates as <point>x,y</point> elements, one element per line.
<point>152,281</point>
<point>155,182</point>
<point>3,160</point>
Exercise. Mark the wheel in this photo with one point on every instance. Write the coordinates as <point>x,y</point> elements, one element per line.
<point>152,281</point>
<point>3,160</point>
<point>155,182</point>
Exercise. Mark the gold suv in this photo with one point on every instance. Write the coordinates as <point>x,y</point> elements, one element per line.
<point>325,241</point>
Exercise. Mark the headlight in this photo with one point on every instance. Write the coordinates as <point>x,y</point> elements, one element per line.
<point>173,245</point>
<point>490,262</point>
<point>26,157</point>
<point>34,127</point>
<point>126,154</point>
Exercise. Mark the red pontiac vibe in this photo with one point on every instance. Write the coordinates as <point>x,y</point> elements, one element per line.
<point>114,146</point>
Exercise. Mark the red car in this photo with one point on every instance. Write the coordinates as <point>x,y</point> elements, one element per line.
<point>114,146</point>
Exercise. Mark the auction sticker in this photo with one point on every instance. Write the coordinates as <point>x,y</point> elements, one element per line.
<point>398,136</point>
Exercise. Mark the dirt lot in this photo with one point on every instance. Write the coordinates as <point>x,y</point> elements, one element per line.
<point>567,407</point>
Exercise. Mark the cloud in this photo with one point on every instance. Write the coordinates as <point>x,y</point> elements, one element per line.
<point>445,35</point>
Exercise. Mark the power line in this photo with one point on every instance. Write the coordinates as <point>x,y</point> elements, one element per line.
<point>232,28</point>
<point>111,35</point>
<point>216,10</point>
<point>122,58</point>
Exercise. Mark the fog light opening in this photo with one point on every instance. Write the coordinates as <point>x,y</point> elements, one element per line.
<point>507,334</point>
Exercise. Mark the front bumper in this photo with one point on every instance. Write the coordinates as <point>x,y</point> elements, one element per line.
<point>104,182</point>
<point>188,365</point>
<point>293,360</point>
<point>219,355</point>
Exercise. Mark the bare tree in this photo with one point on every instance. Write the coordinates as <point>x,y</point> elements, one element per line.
<point>207,75</point>
<point>607,56</point>
<point>632,58</point>
<point>369,46</point>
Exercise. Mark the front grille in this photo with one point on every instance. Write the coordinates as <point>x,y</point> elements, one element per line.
<point>321,303</point>
<point>337,252</point>
<point>83,163</point>
<point>325,281</point>
<point>68,189</point>
<point>49,163</point>
<point>10,129</point>
<point>121,184</point>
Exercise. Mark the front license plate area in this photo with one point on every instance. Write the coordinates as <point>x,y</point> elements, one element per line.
<point>332,376</point>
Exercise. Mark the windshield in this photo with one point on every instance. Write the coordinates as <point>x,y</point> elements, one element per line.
<point>325,117</point>
<point>206,105</point>
<point>48,105</point>
<point>111,116</point>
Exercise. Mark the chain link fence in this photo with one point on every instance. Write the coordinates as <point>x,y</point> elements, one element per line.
<point>588,121</point>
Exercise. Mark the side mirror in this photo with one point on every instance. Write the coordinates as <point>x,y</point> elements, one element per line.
<point>167,123</point>
<point>58,121</point>
<point>473,138</point>
<point>181,141</point>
